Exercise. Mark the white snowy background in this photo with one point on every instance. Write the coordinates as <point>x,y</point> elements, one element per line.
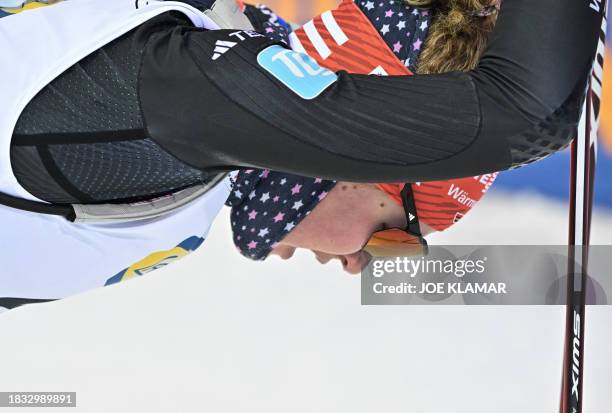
<point>216,333</point>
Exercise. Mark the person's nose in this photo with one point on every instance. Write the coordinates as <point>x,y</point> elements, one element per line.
<point>354,263</point>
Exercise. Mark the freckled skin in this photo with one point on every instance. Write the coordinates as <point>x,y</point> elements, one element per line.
<point>339,227</point>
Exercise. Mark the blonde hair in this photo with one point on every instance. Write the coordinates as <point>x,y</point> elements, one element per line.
<point>457,36</point>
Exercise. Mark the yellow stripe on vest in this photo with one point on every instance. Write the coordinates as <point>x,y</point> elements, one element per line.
<point>28,6</point>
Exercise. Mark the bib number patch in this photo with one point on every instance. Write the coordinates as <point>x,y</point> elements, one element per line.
<point>157,260</point>
<point>299,72</point>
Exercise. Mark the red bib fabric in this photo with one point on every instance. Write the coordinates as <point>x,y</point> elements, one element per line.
<point>344,39</point>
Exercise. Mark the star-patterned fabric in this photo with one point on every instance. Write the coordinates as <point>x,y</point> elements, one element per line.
<point>265,21</point>
<point>403,28</point>
<point>267,205</point>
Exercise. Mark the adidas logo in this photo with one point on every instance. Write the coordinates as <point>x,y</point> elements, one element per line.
<point>411,217</point>
<point>222,47</point>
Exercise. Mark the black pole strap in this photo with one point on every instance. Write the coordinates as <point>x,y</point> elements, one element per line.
<point>65,211</point>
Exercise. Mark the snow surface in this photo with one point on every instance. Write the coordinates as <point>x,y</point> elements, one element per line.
<point>216,333</point>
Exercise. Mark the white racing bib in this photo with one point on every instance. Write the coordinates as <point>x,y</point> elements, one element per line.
<point>47,257</point>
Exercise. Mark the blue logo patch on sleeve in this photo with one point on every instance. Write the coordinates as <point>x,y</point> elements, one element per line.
<point>299,72</point>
